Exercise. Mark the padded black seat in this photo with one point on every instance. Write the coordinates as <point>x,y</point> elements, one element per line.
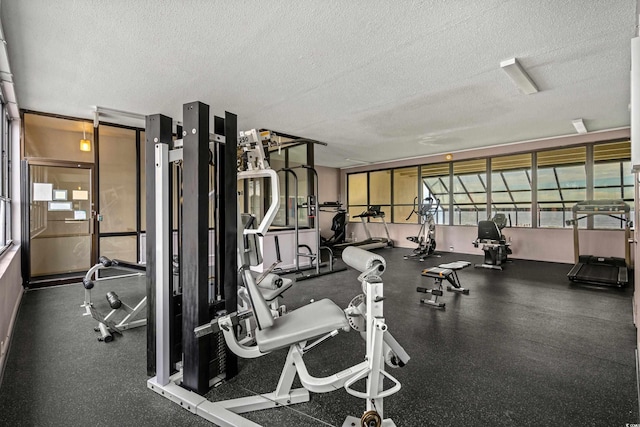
<point>305,323</point>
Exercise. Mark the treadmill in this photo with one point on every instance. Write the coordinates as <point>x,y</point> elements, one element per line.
<point>370,242</point>
<point>599,270</point>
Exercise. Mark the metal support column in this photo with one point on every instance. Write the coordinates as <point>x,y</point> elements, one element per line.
<point>194,268</point>
<point>228,235</point>
<point>157,131</point>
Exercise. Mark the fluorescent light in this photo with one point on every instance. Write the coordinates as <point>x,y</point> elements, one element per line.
<point>579,125</point>
<point>362,162</point>
<point>519,76</point>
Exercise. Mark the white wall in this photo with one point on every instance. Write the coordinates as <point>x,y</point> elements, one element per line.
<point>543,244</point>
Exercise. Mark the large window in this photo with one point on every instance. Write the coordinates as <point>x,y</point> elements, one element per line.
<point>435,184</point>
<point>5,181</point>
<point>532,193</point>
<point>369,189</point>
<point>562,182</point>
<point>511,188</point>
<point>469,192</point>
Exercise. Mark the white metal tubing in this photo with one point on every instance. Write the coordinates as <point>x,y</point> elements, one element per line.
<point>287,376</point>
<point>263,227</point>
<point>366,229</point>
<point>163,262</point>
<point>324,384</point>
<point>226,326</point>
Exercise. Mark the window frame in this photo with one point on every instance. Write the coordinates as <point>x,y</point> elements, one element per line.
<point>533,177</point>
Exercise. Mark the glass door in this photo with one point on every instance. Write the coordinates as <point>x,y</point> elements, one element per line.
<point>60,220</point>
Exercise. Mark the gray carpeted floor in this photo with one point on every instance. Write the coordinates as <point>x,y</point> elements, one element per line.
<point>526,347</point>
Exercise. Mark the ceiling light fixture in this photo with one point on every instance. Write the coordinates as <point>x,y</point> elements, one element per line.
<point>579,125</point>
<point>85,144</point>
<point>357,161</point>
<point>519,76</point>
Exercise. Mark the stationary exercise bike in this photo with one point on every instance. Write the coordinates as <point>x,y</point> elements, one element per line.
<point>426,237</point>
<point>494,243</point>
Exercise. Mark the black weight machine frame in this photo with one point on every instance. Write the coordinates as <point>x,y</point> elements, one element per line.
<point>182,312</point>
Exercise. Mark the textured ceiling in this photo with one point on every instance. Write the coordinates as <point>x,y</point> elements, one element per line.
<point>377,80</point>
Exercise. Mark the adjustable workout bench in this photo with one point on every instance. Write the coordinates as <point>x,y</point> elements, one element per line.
<point>443,272</point>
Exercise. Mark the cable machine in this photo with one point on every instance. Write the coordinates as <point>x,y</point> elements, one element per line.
<point>599,270</point>
<point>203,332</point>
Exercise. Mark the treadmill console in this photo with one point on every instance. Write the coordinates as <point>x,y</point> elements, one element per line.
<point>604,206</point>
<point>373,212</point>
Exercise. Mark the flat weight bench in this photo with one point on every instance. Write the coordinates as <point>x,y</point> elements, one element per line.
<point>443,272</point>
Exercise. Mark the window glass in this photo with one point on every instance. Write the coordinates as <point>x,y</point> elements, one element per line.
<point>287,155</point>
<point>143,185</point>
<point>469,192</point>
<point>357,194</point>
<point>380,188</point>
<point>380,193</point>
<point>56,138</point>
<point>117,183</point>
<point>511,188</point>
<point>119,247</point>
<point>405,191</point>
<point>298,157</point>
<point>612,179</point>
<point>435,184</point>
<point>562,182</point>
<point>5,200</point>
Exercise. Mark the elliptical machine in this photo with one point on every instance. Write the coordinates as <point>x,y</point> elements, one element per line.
<point>426,237</point>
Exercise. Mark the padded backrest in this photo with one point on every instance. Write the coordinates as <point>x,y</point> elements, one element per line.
<point>488,230</point>
<point>500,219</point>
<point>261,311</point>
<point>254,253</point>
